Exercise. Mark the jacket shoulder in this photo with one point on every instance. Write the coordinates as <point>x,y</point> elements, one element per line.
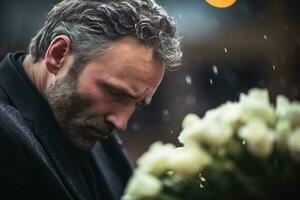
<point>15,171</point>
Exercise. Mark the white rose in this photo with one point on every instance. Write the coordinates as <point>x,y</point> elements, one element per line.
<point>287,110</point>
<point>283,130</point>
<point>282,106</point>
<point>210,130</point>
<point>256,105</point>
<point>187,162</point>
<point>258,138</point>
<point>190,119</point>
<point>154,161</point>
<point>229,113</point>
<point>294,145</point>
<point>191,134</point>
<point>142,186</point>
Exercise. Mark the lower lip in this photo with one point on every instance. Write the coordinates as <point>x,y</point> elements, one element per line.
<point>94,134</point>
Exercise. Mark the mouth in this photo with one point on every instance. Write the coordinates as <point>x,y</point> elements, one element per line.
<point>95,134</point>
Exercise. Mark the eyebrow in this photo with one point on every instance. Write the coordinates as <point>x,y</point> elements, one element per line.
<point>119,88</point>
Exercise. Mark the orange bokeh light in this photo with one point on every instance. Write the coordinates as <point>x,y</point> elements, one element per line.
<point>221,3</point>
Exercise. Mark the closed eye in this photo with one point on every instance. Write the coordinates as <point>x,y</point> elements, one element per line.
<point>114,92</point>
<point>120,93</point>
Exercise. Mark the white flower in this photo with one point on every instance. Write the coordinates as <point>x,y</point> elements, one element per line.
<point>188,161</point>
<point>230,113</point>
<point>256,105</point>
<point>294,145</point>
<point>142,186</point>
<point>154,161</point>
<point>287,110</point>
<point>282,106</point>
<point>190,119</point>
<point>212,130</point>
<point>283,130</point>
<point>258,138</point>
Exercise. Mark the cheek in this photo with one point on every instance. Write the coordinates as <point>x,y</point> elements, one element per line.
<point>99,102</point>
<point>86,88</point>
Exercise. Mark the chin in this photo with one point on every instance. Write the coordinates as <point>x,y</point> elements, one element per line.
<point>84,144</point>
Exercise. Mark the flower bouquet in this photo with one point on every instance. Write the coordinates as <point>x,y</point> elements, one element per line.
<point>248,149</point>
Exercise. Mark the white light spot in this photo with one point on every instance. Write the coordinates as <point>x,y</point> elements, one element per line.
<point>244,142</point>
<point>165,112</point>
<point>201,185</point>
<point>180,16</point>
<point>166,116</point>
<point>265,37</point>
<point>188,79</point>
<point>215,69</point>
<point>171,131</point>
<point>274,67</point>
<point>225,49</point>
<point>135,126</point>
<point>190,100</point>
<point>211,81</point>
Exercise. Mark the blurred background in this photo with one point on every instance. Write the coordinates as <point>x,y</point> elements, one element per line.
<point>253,43</point>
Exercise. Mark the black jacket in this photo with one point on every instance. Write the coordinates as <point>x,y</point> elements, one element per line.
<point>37,162</point>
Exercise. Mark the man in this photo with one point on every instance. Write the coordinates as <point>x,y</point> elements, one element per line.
<point>86,71</point>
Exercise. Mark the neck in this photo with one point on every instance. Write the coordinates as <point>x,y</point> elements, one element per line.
<point>38,73</point>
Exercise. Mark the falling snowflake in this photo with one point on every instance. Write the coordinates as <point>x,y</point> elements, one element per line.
<point>215,69</point>
<point>211,81</point>
<point>225,49</point>
<point>165,112</point>
<point>188,79</point>
<point>265,37</point>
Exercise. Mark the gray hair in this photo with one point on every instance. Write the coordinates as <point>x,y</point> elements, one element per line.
<point>92,25</point>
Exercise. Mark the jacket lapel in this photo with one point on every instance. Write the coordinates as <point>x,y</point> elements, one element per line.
<point>62,154</point>
<point>112,164</point>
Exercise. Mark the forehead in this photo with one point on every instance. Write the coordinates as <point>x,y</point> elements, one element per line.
<point>129,56</point>
<point>130,51</point>
<point>130,62</point>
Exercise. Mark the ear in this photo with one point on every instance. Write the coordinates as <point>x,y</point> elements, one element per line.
<point>57,52</point>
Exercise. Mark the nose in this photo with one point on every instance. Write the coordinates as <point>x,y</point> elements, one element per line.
<point>120,117</point>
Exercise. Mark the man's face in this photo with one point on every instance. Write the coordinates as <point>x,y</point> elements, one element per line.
<point>105,93</point>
